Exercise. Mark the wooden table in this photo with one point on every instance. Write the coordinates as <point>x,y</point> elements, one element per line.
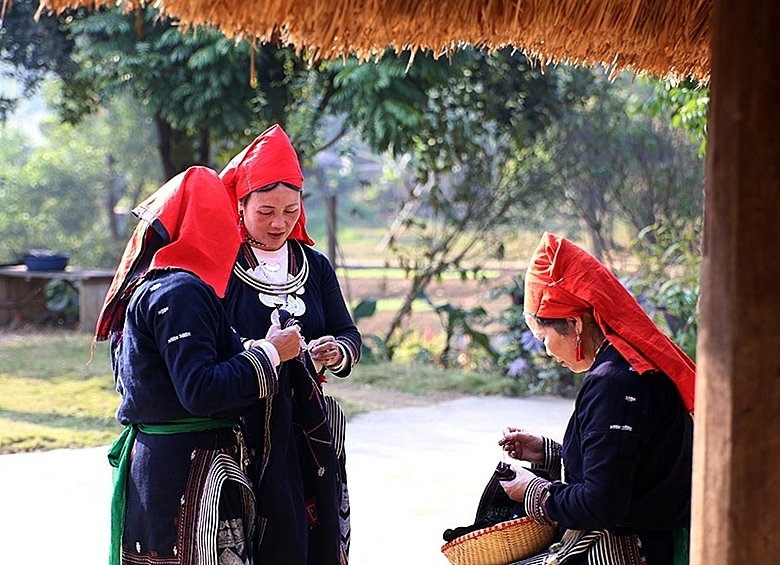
<point>23,300</point>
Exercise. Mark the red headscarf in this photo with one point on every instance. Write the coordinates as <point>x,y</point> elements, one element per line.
<point>189,223</point>
<point>268,160</point>
<point>564,280</point>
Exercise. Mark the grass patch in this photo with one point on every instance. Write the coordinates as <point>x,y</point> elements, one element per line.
<point>423,379</point>
<point>351,409</point>
<point>52,354</point>
<point>50,397</point>
<point>394,304</point>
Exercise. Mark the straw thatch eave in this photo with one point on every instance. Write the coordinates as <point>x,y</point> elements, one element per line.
<point>663,37</point>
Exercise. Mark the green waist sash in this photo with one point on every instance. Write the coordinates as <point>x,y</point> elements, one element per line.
<point>681,545</point>
<point>119,458</point>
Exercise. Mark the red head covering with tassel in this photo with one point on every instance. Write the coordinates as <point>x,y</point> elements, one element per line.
<point>564,280</point>
<point>269,160</point>
<point>189,223</point>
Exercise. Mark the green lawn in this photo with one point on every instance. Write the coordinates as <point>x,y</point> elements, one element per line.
<point>51,395</point>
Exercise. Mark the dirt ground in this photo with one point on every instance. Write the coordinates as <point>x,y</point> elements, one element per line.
<point>463,294</point>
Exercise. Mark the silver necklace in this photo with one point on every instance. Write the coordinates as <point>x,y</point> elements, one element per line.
<point>284,294</point>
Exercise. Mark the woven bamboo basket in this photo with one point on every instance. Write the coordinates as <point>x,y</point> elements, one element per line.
<point>500,544</point>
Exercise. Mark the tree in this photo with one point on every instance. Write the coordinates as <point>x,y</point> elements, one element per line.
<point>401,103</point>
<point>32,49</point>
<point>607,164</point>
<point>666,176</point>
<point>468,124</point>
<point>197,84</point>
<point>65,194</point>
<point>488,138</point>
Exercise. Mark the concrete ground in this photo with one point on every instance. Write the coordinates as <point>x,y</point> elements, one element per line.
<point>413,472</point>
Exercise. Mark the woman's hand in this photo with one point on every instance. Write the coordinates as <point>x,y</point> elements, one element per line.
<point>523,445</point>
<point>326,350</point>
<point>516,488</point>
<point>286,341</point>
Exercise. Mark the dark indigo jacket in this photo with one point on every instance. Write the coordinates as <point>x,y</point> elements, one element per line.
<point>627,455</point>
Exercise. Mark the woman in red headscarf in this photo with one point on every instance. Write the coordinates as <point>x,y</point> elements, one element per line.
<point>628,447</point>
<point>279,275</point>
<point>181,492</point>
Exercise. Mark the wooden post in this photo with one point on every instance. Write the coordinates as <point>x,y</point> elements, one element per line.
<point>331,209</point>
<point>91,295</point>
<point>736,515</point>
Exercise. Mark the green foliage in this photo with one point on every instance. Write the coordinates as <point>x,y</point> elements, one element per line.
<point>31,48</point>
<point>56,195</point>
<point>459,322</point>
<point>667,280</point>
<point>199,87</point>
<point>364,309</point>
<point>608,163</point>
<point>373,348</point>
<point>462,345</point>
<point>429,106</point>
<point>688,105</point>
<point>386,100</point>
<point>470,148</point>
<point>500,143</point>
<point>190,79</point>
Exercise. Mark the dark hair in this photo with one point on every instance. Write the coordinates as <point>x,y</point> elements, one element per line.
<point>268,187</point>
<point>273,185</point>
<point>561,325</point>
<point>558,324</point>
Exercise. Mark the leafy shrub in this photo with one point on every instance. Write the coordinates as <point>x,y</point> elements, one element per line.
<point>62,301</point>
<point>522,357</point>
<point>666,283</point>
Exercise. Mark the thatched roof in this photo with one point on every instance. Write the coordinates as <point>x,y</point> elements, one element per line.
<point>664,37</point>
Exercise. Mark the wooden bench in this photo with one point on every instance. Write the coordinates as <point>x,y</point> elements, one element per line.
<point>23,297</point>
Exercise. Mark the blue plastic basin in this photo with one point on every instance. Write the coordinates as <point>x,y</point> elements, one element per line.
<point>53,262</point>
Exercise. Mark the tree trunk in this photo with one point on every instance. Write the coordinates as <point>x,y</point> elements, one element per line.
<point>331,207</point>
<point>111,198</point>
<point>175,148</point>
<point>164,144</point>
<point>419,284</point>
<point>204,147</point>
<point>329,198</point>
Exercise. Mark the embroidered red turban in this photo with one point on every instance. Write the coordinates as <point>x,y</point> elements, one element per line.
<point>564,280</point>
<point>270,159</point>
<point>189,223</point>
